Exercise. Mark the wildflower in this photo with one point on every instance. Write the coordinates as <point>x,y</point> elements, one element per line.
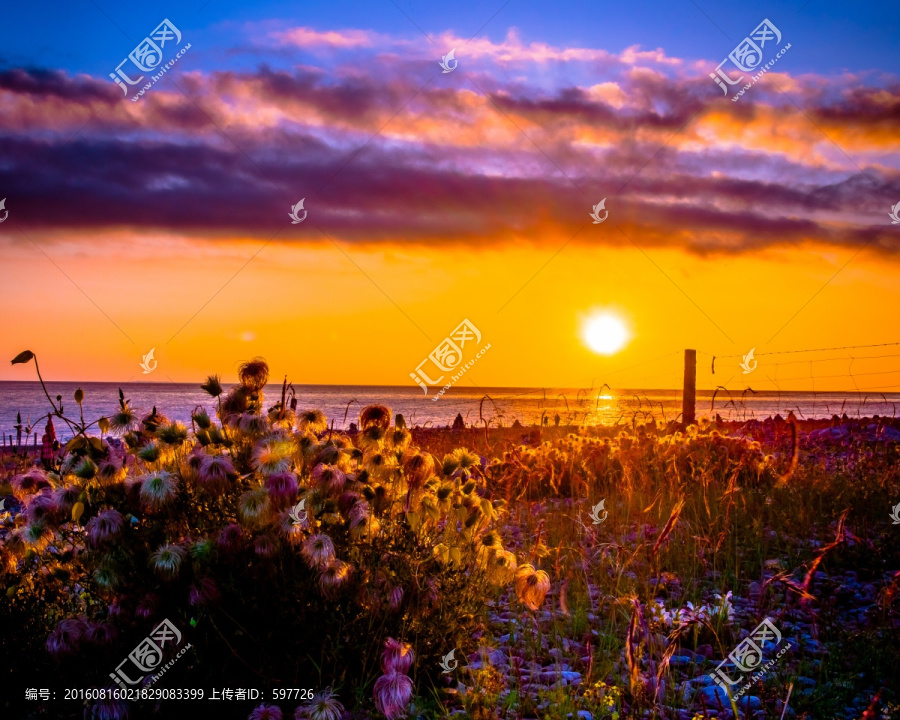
<point>318,550</point>
<point>400,438</point>
<point>254,375</point>
<point>66,638</point>
<point>282,488</point>
<point>375,415</point>
<point>254,424</point>
<point>329,477</point>
<point>166,561</point>
<point>105,526</point>
<point>36,534</point>
<point>501,569</point>
<point>85,470</point>
<point>41,506</point>
<point>174,434</point>
<point>106,577</point>
<point>273,455</point>
<point>159,488</point>
<point>397,657</point>
<point>203,592</point>
<point>147,606</point>
<point>265,546</point>
<point>380,465</point>
<point>313,421</point>
<point>150,452</point>
<point>100,633</point>
<point>288,529</point>
<point>212,386</point>
<point>230,539</point>
<point>110,471</point>
<point>372,438</point>
<point>109,709</point>
<point>325,706</point>
<point>392,695</point>
<point>265,712</point>
<point>125,420</point>
<point>201,418</point>
<point>253,506</point>
<point>531,586</point>
<point>29,482</point>
<point>216,472</point>
<point>333,576</point>
<point>364,527</point>
<point>395,598</point>
<point>417,468</point>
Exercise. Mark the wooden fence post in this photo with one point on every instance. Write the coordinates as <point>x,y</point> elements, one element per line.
<point>689,393</point>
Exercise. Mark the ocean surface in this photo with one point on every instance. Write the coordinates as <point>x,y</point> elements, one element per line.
<point>342,403</point>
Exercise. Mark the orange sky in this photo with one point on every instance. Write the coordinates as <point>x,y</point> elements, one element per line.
<point>319,319</point>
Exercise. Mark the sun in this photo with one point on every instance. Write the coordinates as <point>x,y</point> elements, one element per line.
<point>605,333</point>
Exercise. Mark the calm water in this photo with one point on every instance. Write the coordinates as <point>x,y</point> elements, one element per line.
<point>527,405</point>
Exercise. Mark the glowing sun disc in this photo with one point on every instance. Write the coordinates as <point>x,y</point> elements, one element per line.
<point>605,334</point>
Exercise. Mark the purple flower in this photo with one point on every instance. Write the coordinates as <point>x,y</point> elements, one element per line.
<point>147,606</point>
<point>282,488</point>
<point>204,592</point>
<point>41,506</point>
<point>392,694</point>
<point>100,633</point>
<point>265,546</point>
<point>66,638</point>
<point>29,482</point>
<point>397,657</point>
<point>216,473</point>
<point>230,538</point>
<point>107,710</point>
<point>265,712</point>
<point>104,527</point>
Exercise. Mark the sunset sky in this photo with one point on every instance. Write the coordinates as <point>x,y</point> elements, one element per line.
<point>433,197</point>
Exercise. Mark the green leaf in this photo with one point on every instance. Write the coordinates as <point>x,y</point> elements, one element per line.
<point>79,395</point>
<point>23,357</point>
<point>77,511</point>
<point>11,590</point>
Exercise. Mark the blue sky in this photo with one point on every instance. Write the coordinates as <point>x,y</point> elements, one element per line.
<point>828,37</point>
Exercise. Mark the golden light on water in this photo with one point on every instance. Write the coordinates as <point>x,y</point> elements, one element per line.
<point>605,333</point>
